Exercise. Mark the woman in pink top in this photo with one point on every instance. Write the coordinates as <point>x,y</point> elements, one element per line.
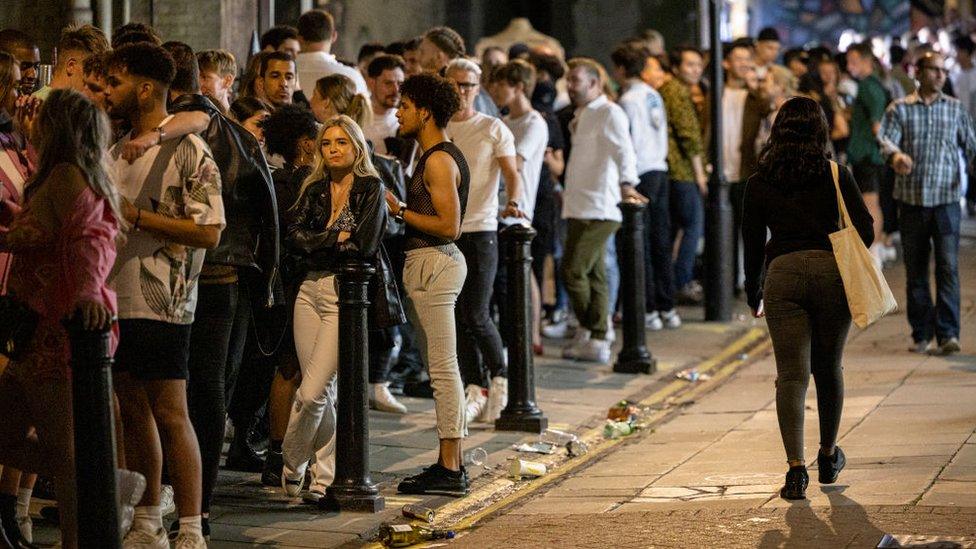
<point>64,244</point>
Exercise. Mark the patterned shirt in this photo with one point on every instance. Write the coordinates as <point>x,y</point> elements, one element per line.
<point>684,131</point>
<point>932,136</point>
<point>156,279</point>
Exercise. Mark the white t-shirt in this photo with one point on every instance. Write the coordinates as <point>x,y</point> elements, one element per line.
<point>482,139</point>
<point>382,127</point>
<point>531,137</point>
<point>964,84</point>
<point>733,109</point>
<point>316,64</point>
<point>155,279</point>
<point>648,126</point>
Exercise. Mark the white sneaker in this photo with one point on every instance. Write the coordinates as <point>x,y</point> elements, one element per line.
<point>26,527</point>
<point>167,504</point>
<point>611,332</point>
<point>559,330</point>
<point>497,399</point>
<point>131,486</point>
<point>141,539</point>
<point>381,399</point>
<point>571,351</point>
<point>292,487</point>
<point>190,540</point>
<point>670,319</point>
<point>652,321</point>
<point>890,254</point>
<point>877,253</point>
<point>595,350</point>
<point>475,398</point>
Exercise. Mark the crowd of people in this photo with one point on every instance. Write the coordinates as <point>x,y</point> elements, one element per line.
<point>202,212</point>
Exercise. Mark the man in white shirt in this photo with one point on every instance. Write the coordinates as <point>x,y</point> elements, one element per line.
<point>384,76</point>
<point>602,171</point>
<point>317,33</point>
<point>489,149</point>
<point>649,134</point>
<point>964,84</point>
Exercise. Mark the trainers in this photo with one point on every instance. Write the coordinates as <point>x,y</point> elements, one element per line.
<point>557,330</point>
<point>273,462</point>
<point>190,540</point>
<point>797,480</point>
<point>923,347</point>
<point>167,504</point>
<point>26,527</point>
<point>572,350</point>
<point>595,350</point>
<point>670,319</point>
<point>830,466</point>
<point>611,334</point>
<point>141,539</point>
<point>475,398</point>
<point>949,346</point>
<point>312,496</point>
<point>653,322</point>
<point>292,487</point>
<point>435,479</point>
<point>381,399</point>
<point>691,293</point>
<point>174,529</point>
<point>497,399</point>
<point>131,486</point>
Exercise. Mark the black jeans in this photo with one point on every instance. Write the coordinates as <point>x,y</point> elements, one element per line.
<point>808,320</point>
<point>658,271</point>
<point>216,346</point>
<point>737,190</point>
<point>480,352</point>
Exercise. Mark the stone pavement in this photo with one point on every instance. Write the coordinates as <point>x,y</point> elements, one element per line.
<point>710,477</point>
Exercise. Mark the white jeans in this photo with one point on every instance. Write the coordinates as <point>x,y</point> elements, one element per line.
<point>312,424</point>
<point>432,278</point>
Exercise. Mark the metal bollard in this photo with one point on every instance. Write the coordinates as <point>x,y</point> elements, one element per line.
<point>521,412</point>
<point>634,357</point>
<point>94,434</point>
<point>352,489</point>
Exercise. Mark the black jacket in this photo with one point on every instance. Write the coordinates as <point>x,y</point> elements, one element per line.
<point>320,250</point>
<point>250,238</point>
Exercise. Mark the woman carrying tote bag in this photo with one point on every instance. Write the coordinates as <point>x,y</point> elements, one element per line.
<point>801,293</point>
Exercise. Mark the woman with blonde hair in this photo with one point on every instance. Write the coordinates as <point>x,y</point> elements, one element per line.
<point>336,94</point>
<point>340,213</point>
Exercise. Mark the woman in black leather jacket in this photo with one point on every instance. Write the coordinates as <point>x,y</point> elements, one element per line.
<point>340,212</point>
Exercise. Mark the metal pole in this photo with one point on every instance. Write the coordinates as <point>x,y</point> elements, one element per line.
<point>94,434</point>
<point>521,412</point>
<point>352,489</point>
<point>719,274</point>
<point>634,358</point>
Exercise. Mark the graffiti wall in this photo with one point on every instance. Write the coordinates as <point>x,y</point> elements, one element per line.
<point>808,21</point>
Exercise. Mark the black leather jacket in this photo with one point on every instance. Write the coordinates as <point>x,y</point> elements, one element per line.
<point>319,249</point>
<point>250,238</point>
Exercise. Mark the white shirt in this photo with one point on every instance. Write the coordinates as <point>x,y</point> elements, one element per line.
<point>648,125</point>
<point>153,278</point>
<point>602,159</point>
<point>382,127</point>
<point>482,139</point>
<point>733,109</point>
<point>964,84</point>
<point>531,137</point>
<point>315,64</point>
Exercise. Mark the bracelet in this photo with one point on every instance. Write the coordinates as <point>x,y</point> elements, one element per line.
<point>138,218</point>
<point>401,209</point>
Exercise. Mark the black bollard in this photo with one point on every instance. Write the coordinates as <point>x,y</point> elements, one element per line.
<point>719,263</point>
<point>94,434</point>
<point>352,489</point>
<point>634,357</point>
<point>521,413</point>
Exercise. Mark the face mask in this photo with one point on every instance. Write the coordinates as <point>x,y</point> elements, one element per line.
<point>544,95</point>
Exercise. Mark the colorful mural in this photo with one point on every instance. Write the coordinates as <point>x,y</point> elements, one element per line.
<point>803,22</point>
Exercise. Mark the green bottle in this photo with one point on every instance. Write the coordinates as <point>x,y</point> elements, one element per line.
<point>405,535</point>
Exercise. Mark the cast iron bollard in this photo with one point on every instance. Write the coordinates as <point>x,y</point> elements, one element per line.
<point>92,408</point>
<point>634,358</point>
<point>521,413</point>
<point>352,489</point>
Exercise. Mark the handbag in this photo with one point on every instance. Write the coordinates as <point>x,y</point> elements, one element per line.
<point>868,296</point>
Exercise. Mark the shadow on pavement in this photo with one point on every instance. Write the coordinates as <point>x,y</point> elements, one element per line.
<point>844,524</point>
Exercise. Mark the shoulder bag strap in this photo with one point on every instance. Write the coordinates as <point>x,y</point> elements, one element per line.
<point>845,218</point>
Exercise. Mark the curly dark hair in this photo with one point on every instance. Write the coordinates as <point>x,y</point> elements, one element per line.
<point>797,149</point>
<point>132,33</point>
<point>187,77</point>
<point>284,127</point>
<point>145,60</point>
<point>434,93</point>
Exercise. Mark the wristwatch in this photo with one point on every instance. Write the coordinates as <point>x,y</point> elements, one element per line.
<point>401,208</point>
<point>161,132</point>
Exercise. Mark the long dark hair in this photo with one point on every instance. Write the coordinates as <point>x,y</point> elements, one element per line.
<point>797,147</point>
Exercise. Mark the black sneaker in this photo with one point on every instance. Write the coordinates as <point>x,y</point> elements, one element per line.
<point>271,476</point>
<point>830,466</point>
<point>436,479</point>
<point>796,483</point>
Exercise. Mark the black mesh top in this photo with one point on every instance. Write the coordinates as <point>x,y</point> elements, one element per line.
<point>418,197</point>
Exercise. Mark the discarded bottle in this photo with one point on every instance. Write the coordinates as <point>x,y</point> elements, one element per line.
<point>476,457</point>
<point>524,468</point>
<point>617,429</point>
<point>418,512</point>
<point>557,437</point>
<point>623,411</point>
<point>405,535</point>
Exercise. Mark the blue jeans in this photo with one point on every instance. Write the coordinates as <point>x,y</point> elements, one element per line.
<point>922,229</point>
<point>687,214</point>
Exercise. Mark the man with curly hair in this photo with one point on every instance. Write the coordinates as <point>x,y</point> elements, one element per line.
<point>435,269</point>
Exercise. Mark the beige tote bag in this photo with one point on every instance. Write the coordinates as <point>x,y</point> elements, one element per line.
<point>868,294</point>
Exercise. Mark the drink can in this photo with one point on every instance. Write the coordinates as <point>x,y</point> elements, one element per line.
<point>418,512</point>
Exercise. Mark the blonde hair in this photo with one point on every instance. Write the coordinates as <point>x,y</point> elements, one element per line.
<point>218,61</point>
<point>340,90</point>
<point>596,70</point>
<point>362,166</point>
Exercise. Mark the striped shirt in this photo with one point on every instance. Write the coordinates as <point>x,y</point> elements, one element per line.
<point>932,135</point>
